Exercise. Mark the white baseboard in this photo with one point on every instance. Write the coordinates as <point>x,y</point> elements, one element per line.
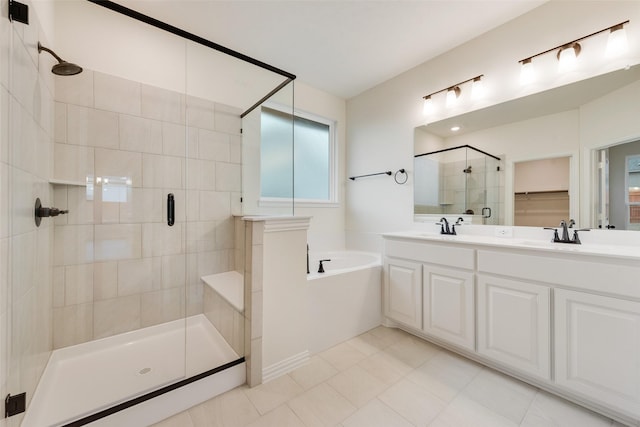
<point>284,366</point>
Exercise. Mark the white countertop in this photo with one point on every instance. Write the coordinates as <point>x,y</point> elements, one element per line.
<point>606,250</point>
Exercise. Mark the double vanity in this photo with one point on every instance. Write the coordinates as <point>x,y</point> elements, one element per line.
<point>563,317</point>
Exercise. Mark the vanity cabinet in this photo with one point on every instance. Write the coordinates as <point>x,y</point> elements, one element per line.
<point>514,324</point>
<point>403,291</point>
<point>448,305</point>
<point>597,348</point>
<point>563,318</point>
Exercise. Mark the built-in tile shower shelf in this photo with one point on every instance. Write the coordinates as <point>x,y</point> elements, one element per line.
<point>72,183</point>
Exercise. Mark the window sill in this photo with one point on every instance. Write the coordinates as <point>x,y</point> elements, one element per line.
<point>273,203</point>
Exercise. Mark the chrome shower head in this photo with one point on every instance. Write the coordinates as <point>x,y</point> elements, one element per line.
<point>62,68</point>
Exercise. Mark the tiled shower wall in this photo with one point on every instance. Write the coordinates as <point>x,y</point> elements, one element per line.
<point>26,137</point>
<point>117,265</point>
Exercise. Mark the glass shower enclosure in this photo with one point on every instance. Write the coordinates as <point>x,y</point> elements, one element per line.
<point>122,298</point>
<point>459,180</point>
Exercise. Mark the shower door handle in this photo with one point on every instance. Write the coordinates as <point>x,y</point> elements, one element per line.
<point>171,210</point>
<point>484,210</point>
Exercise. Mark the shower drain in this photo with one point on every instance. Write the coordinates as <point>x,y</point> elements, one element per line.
<point>144,371</point>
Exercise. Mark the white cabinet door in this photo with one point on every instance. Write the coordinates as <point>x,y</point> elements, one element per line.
<point>403,291</point>
<point>514,324</point>
<point>597,348</point>
<point>448,305</point>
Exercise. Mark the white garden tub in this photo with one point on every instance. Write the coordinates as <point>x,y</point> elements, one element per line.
<point>345,301</point>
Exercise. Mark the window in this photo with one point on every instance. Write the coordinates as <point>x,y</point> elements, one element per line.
<point>312,152</point>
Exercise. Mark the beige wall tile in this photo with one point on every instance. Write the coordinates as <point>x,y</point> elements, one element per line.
<point>80,205</point>
<point>117,315</point>
<point>162,306</point>
<point>173,271</point>
<point>105,280</point>
<point>200,113</point>
<point>77,242</point>
<point>162,104</point>
<point>214,205</point>
<point>117,94</point>
<point>119,164</point>
<point>78,284</point>
<point>174,137</point>
<point>228,177</point>
<point>137,276</point>
<point>116,242</point>
<point>72,162</point>
<point>213,145</point>
<point>60,122</point>
<point>143,205</point>
<point>77,90</point>
<point>162,171</point>
<point>228,119</point>
<point>90,127</point>
<point>4,200</point>
<point>72,325</point>
<point>140,135</point>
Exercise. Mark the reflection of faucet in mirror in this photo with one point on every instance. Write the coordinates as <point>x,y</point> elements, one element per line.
<point>444,226</point>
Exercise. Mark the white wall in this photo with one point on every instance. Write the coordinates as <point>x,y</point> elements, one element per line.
<point>382,120</point>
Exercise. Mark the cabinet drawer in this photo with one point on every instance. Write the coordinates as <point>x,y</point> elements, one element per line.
<point>589,274</point>
<point>443,254</point>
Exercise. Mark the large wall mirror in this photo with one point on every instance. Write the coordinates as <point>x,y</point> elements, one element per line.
<point>539,140</point>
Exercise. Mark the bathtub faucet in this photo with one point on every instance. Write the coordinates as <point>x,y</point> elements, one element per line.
<point>321,267</point>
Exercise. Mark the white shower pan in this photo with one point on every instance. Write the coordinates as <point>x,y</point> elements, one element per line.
<point>87,378</point>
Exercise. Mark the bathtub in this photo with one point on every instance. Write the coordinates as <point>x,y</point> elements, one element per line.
<point>345,301</point>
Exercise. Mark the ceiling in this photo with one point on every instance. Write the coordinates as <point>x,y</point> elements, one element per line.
<point>342,47</point>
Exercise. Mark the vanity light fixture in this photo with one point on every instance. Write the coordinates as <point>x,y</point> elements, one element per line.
<point>567,53</point>
<point>568,56</point>
<point>477,88</point>
<point>453,93</point>
<point>527,72</point>
<point>617,43</point>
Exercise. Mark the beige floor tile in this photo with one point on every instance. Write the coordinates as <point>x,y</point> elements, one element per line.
<point>268,396</point>
<point>367,343</point>
<point>321,406</point>
<point>387,371</point>
<point>313,373</point>
<point>412,351</point>
<point>466,412</point>
<point>548,410</point>
<point>376,414</point>
<point>343,356</point>
<point>506,396</point>
<point>413,402</point>
<point>357,385</point>
<point>231,409</point>
<point>179,420</point>
<point>282,416</point>
<point>388,335</point>
<point>445,375</point>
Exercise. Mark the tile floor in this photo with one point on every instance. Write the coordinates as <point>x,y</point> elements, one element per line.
<point>388,378</point>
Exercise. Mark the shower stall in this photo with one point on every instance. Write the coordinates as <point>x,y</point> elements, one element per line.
<point>461,180</point>
<point>119,298</point>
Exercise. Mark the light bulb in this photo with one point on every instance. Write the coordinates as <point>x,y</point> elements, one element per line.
<point>617,43</point>
<point>568,57</point>
<point>452,95</point>
<point>477,89</point>
<point>427,107</point>
<point>527,72</point>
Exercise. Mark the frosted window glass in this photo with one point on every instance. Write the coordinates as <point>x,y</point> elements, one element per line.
<point>311,154</point>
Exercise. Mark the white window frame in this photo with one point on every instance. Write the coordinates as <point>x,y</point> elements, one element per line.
<point>333,164</point>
